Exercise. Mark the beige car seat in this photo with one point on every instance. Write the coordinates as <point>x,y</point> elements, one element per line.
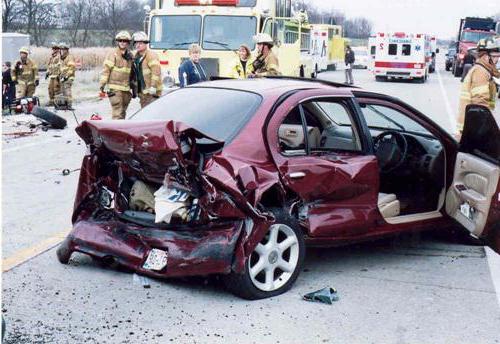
<point>292,136</point>
<point>388,205</point>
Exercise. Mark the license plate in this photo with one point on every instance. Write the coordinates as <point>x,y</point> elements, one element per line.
<point>157,260</point>
<point>466,210</point>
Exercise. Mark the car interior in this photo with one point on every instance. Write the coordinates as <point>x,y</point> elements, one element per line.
<point>411,160</point>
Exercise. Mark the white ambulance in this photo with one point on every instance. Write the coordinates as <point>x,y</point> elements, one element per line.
<point>402,56</point>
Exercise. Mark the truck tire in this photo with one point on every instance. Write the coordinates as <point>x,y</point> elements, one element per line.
<point>54,120</point>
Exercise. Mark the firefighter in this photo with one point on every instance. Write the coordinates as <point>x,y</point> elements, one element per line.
<point>266,63</point>
<point>191,71</point>
<point>478,86</point>
<point>25,75</point>
<point>53,70</point>
<point>67,74</point>
<point>147,70</point>
<point>116,75</point>
<point>242,66</point>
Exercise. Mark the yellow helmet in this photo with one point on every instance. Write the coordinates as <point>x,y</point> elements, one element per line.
<point>140,36</point>
<point>123,35</point>
<point>24,50</point>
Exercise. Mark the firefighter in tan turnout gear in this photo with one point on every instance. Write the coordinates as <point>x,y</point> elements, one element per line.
<point>147,70</point>
<point>479,87</point>
<point>53,70</point>
<point>25,75</point>
<point>67,74</point>
<point>116,76</point>
<point>266,63</point>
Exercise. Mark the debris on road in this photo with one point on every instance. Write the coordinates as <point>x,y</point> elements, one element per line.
<point>67,171</point>
<point>326,295</point>
<point>141,280</point>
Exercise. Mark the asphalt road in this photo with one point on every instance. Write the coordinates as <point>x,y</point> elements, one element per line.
<point>412,289</point>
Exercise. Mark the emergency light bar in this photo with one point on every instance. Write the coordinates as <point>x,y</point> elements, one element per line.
<point>206,2</point>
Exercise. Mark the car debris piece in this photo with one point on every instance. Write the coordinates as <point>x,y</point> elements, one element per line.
<point>142,197</point>
<point>67,171</point>
<point>326,295</point>
<point>141,280</point>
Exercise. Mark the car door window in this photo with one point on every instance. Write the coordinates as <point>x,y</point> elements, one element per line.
<point>332,126</point>
<point>291,134</point>
<point>387,118</point>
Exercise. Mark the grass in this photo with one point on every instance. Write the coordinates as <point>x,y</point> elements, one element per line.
<point>87,58</point>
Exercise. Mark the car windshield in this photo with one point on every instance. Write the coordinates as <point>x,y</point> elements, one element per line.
<point>475,36</point>
<point>383,117</point>
<point>175,32</point>
<point>228,32</point>
<point>218,113</point>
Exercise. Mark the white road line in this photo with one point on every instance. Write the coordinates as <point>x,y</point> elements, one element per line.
<point>451,116</point>
<point>494,263</point>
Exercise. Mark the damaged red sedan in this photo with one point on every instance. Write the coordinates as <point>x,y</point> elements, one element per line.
<point>236,177</point>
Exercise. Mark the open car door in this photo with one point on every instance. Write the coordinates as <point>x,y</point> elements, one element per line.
<point>473,198</point>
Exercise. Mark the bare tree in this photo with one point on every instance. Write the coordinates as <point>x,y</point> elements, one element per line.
<point>79,16</point>
<point>10,14</point>
<point>358,27</point>
<point>36,17</point>
<point>117,15</point>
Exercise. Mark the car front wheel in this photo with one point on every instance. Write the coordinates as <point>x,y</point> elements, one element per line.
<point>275,263</point>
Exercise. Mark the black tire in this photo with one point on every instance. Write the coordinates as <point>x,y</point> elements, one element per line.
<point>447,67</point>
<point>241,284</point>
<point>51,118</point>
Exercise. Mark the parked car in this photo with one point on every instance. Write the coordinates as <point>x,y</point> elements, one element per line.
<point>361,57</point>
<point>450,57</point>
<point>236,177</point>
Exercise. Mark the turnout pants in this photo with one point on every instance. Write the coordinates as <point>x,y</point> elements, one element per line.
<point>66,92</point>
<point>119,103</point>
<point>146,99</point>
<point>54,88</point>
<point>25,90</point>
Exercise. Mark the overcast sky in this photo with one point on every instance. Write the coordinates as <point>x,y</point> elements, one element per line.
<point>438,17</point>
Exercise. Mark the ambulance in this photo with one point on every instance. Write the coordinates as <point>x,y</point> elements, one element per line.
<point>402,56</point>
<point>327,47</point>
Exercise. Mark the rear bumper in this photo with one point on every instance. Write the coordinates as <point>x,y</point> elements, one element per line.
<point>191,251</point>
<point>400,73</point>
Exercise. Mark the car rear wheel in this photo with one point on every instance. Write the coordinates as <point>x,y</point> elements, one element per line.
<point>275,263</point>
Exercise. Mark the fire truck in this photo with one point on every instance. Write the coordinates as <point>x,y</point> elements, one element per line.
<point>221,26</point>
<point>402,56</point>
<point>470,31</point>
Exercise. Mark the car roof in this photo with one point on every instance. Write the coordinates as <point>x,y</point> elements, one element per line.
<point>272,84</point>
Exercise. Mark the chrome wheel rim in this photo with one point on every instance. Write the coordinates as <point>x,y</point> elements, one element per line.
<point>274,259</point>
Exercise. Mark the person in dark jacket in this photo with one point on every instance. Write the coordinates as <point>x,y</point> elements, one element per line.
<point>349,61</point>
<point>191,71</point>
<point>8,86</point>
<point>469,60</point>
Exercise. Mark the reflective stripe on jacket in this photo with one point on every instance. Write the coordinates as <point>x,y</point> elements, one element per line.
<point>116,72</point>
<point>270,65</point>
<point>68,67</point>
<point>27,74</point>
<point>478,88</point>
<point>151,72</point>
<point>54,67</point>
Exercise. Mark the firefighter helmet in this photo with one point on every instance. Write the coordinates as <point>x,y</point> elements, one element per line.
<point>140,36</point>
<point>263,38</point>
<point>488,44</point>
<point>123,36</point>
<point>63,45</point>
<point>24,50</point>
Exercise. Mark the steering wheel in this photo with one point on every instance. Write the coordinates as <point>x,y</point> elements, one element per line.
<point>391,149</point>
